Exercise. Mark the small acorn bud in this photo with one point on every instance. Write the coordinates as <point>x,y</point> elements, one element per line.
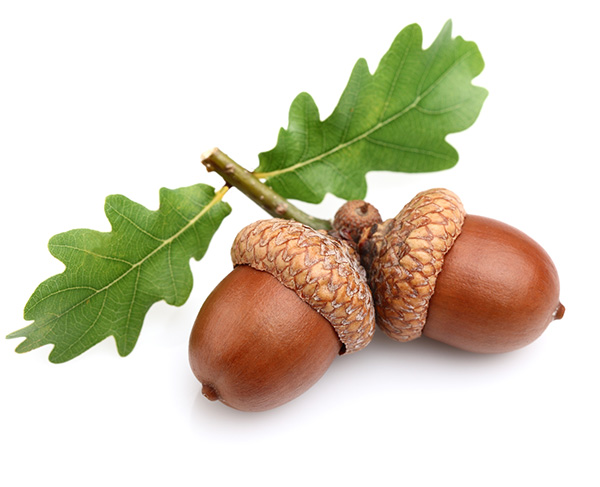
<point>354,218</point>
<point>295,300</point>
<point>465,280</point>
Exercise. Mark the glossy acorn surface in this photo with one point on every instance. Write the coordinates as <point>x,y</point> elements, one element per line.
<point>498,290</point>
<point>256,345</point>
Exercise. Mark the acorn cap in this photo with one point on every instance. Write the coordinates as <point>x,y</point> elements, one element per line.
<point>406,254</point>
<point>324,272</point>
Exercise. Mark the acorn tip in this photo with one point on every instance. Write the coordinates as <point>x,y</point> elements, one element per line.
<point>559,312</point>
<point>209,392</point>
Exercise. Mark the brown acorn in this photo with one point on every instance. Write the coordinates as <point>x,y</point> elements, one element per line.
<point>465,280</point>
<point>353,218</point>
<point>295,300</point>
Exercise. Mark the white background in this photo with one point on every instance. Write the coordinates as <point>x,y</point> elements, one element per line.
<point>122,97</point>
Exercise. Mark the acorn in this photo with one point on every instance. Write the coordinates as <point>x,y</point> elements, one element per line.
<point>352,218</point>
<point>296,299</point>
<point>468,281</point>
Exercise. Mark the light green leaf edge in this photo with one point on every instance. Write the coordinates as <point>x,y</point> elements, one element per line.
<point>112,278</point>
<point>395,120</point>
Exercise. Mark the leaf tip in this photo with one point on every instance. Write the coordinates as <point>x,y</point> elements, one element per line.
<point>25,345</point>
<point>20,333</point>
<point>445,34</point>
<point>303,99</point>
<point>60,358</point>
<point>14,334</point>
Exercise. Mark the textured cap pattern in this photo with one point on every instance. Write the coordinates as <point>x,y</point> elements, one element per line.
<point>406,256</point>
<point>322,271</point>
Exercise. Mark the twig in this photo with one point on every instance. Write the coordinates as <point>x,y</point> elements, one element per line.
<point>242,179</point>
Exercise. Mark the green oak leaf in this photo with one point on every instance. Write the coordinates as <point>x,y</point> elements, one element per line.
<point>112,278</point>
<point>395,119</point>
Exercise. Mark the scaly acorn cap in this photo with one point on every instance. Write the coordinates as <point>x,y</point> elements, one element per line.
<point>404,256</point>
<point>324,272</point>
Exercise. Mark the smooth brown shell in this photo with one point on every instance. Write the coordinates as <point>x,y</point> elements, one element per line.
<point>256,345</point>
<point>498,290</point>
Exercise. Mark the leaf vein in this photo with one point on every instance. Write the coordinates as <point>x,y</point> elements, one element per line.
<point>440,111</point>
<point>60,291</point>
<point>176,211</point>
<point>130,311</point>
<point>135,225</point>
<point>94,254</point>
<point>403,148</point>
<point>88,329</point>
<point>170,262</point>
<point>446,73</point>
<point>399,71</point>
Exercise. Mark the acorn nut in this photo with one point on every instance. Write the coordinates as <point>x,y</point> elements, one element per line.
<point>465,280</point>
<point>295,300</point>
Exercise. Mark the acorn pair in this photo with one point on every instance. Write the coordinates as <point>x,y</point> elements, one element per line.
<point>298,297</point>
